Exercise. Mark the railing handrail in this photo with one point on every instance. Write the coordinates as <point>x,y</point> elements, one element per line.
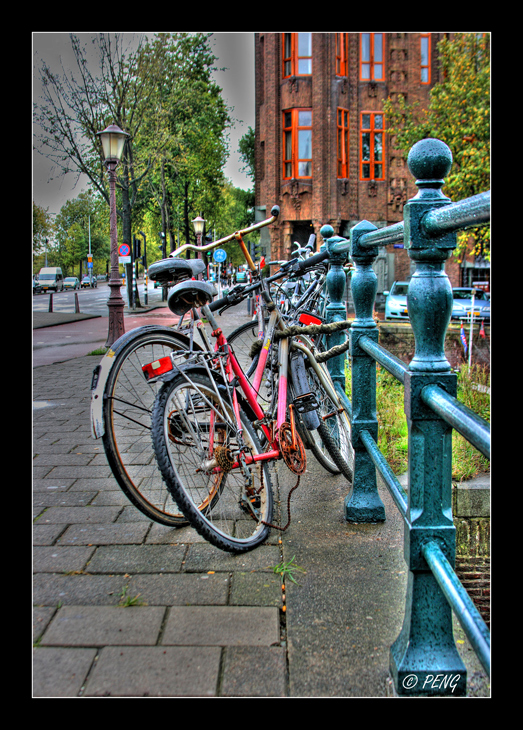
<point>466,213</point>
<point>428,233</point>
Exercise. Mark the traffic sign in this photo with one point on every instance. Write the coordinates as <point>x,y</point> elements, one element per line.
<point>219,255</point>
<point>124,249</point>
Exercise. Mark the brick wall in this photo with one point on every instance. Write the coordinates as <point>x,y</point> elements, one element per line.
<point>471,509</point>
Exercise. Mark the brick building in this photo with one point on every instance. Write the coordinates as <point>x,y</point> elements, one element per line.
<point>321,151</point>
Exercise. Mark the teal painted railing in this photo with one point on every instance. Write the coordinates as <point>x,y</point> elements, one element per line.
<point>424,658</point>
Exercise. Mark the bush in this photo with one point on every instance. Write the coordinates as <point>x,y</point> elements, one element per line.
<point>473,391</point>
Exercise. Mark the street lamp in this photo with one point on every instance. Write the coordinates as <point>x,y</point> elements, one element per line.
<point>113,140</point>
<point>199,225</point>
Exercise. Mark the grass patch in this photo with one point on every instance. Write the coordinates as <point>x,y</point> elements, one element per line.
<point>473,391</point>
<point>98,351</point>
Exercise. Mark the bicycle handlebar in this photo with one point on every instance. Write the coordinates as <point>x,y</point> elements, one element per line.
<point>235,296</point>
<point>275,211</point>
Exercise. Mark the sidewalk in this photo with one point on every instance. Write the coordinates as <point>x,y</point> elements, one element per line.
<point>206,623</point>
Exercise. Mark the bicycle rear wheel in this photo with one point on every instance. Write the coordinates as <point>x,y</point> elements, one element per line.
<point>331,440</point>
<point>127,409</point>
<point>196,441</point>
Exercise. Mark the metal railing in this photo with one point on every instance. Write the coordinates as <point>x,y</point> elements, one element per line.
<point>424,658</point>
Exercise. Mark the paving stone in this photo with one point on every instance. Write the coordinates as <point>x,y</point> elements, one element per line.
<point>63,499</point>
<point>60,672</point>
<point>80,514</point>
<point>222,626</point>
<point>254,671</point>
<point>183,589</point>
<point>60,558</point>
<point>173,671</point>
<point>120,534</point>
<point>207,557</point>
<point>256,589</point>
<point>104,626</point>
<point>53,589</point>
<point>138,559</point>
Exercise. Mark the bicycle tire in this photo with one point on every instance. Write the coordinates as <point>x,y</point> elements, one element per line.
<point>333,447</point>
<point>127,409</point>
<point>185,434</point>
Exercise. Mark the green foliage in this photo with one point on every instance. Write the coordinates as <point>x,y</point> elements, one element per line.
<point>71,233</point>
<point>246,148</point>
<point>473,391</point>
<point>42,228</point>
<point>459,115</point>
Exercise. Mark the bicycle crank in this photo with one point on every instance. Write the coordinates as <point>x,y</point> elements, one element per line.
<point>292,448</point>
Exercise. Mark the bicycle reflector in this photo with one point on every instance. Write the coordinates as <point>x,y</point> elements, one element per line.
<point>306,318</point>
<point>158,367</point>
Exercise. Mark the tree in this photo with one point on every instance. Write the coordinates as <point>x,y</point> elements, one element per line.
<point>42,228</point>
<point>79,103</point>
<point>76,219</point>
<point>187,176</point>
<point>459,115</point>
<point>246,148</point>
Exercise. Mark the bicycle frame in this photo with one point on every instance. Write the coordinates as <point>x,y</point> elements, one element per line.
<point>233,370</point>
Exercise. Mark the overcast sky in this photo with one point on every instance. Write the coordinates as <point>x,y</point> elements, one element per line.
<point>235,52</point>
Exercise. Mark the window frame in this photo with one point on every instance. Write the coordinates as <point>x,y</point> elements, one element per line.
<point>293,59</point>
<point>372,131</point>
<point>371,63</point>
<point>425,67</point>
<point>342,53</point>
<point>294,129</point>
<point>342,140</point>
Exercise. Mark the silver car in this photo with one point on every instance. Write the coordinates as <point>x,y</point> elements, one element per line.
<point>396,301</point>
<point>462,303</point>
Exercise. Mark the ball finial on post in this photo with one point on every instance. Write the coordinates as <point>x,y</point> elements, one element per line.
<point>429,161</point>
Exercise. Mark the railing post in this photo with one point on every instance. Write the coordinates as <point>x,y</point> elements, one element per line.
<point>424,658</point>
<point>364,504</point>
<point>335,310</point>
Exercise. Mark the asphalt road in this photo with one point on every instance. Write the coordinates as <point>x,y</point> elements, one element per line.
<point>91,301</point>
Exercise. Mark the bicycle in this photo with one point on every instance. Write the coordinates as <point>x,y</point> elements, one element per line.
<point>122,400</point>
<point>212,439</point>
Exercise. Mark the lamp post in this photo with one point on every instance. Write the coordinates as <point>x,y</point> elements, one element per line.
<point>199,225</point>
<point>113,140</point>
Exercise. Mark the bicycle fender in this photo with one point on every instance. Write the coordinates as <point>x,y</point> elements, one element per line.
<point>102,370</point>
<point>300,383</point>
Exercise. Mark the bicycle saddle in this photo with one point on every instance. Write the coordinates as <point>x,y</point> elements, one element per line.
<point>188,294</point>
<point>175,270</point>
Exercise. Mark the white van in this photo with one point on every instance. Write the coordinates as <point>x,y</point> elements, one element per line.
<point>51,277</point>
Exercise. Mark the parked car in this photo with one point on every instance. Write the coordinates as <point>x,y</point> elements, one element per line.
<point>462,303</point>
<point>37,287</point>
<point>89,281</point>
<point>71,282</point>
<point>51,278</point>
<point>396,301</point>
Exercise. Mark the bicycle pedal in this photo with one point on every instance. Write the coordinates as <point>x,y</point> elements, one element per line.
<point>305,403</point>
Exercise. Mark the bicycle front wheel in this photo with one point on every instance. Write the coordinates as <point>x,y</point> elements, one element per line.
<point>127,410</point>
<point>196,442</point>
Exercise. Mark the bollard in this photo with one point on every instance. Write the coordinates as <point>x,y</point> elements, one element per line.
<point>425,646</point>
<point>76,303</point>
<point>50,302</point>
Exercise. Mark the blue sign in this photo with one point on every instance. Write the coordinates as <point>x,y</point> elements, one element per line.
<point>124,249</point>
<point>219,255</point>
